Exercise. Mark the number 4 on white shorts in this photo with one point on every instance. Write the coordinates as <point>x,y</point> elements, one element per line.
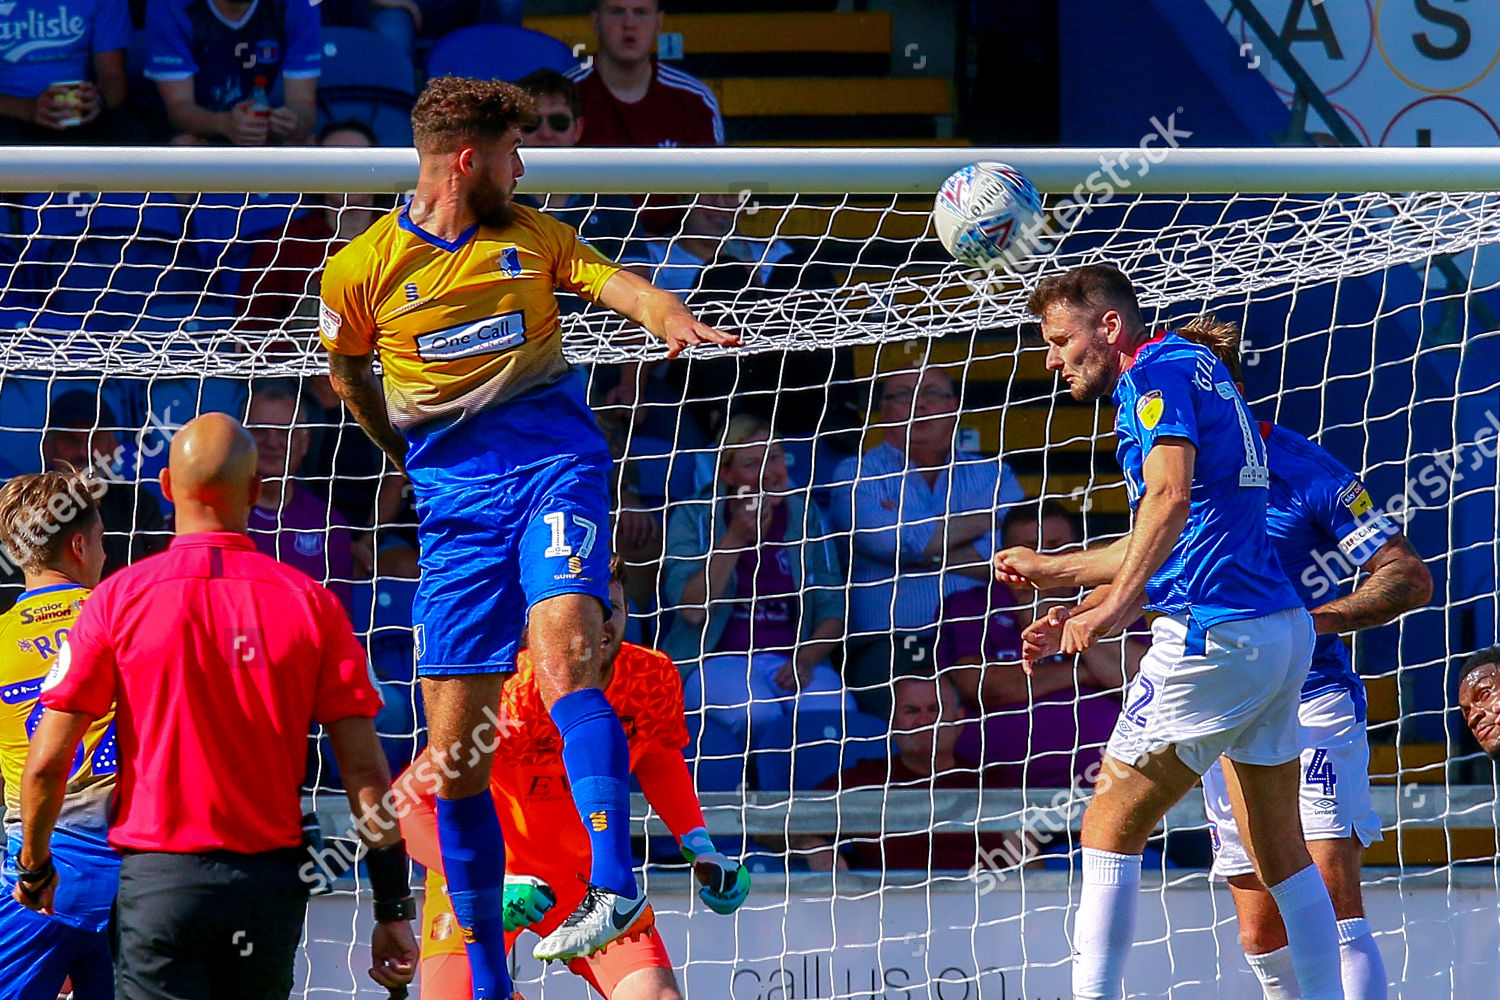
<point>560,549</point>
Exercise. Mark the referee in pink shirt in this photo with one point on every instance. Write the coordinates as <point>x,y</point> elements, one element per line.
<point>218,659</point>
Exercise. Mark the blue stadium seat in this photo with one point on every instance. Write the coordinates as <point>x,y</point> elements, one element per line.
<point>382,609</point>
<point>366,77</point>
<point>497,52</point>
<point>716,756</point>
<point>804,752</point>
<point>662,470</point>
<point>170,403</point>
<point>225,228</point>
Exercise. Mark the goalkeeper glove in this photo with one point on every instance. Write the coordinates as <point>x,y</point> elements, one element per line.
<point>527,900</point>
<point>725,883</point>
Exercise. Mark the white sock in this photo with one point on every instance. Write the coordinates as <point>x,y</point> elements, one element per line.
<point>1311,932</point>
<point>1360,961</point>
<point>1274,970</point>
<point>1104,928</point>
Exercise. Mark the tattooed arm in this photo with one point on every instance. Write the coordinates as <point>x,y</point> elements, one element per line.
<point>1397,582</point>
<point>353,378</point>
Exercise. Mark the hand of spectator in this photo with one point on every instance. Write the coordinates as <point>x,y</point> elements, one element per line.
<point>684,331</point>
<point>749,518</point>
<point>410,6</point>
<point>393,953</point>
<point>363,550</point>
<point>793,674</point>
<point>50,113</point>
<point>1020,566</point>
<point>246,126</point>
<point>1043,637</point>
<point>283,122</point>
<point>636,530</point>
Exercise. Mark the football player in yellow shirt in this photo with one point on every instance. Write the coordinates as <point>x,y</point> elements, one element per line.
<point>50,527</point>
<point>455,292</point>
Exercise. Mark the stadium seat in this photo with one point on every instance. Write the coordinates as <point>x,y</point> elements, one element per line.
<point>716,756</point>
<point>382,611</point>
<point>803,753</point>
<point>497,52</point>
<point>224,228</point>
<point>366,77</point>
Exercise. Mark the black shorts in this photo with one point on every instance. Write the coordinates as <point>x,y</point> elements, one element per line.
<point>215,926</point>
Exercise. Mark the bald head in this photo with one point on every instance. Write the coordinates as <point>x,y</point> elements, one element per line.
<point>211,476</point>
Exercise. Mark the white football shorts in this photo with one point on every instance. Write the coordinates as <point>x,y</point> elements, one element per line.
<point>1232,689</point>
<point>1334,794</point>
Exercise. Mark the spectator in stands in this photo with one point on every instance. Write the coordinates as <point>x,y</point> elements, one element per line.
<point>924,729</point>
<point>364,489</point>
<point>221,64</point>
<point>404,21</point>
<point>83,433</point>
<point>288,522</point>
<point>604,220</point>
<point>757,590</point>
<point>1045,730</point>
<point>280,280</point>
<point>921,517</point>
<point>629,98</point>
<point>62,73</point>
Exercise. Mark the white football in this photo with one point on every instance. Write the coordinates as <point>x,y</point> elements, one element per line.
<point>988,215</point>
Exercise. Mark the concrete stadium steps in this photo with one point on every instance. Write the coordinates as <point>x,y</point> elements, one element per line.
<point>1422,846</point>
<point>791,77</point>
<point>748,44</point>
<point>859,220</point>
<point>1408,763</point>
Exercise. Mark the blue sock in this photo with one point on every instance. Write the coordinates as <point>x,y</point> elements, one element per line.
<point>597,760</point>
<point>473,850</point>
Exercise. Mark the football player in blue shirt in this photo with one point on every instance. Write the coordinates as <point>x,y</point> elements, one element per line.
<point>1322,524</point>
<point>1231,641</point>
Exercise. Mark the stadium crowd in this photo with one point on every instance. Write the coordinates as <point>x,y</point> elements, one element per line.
<point>798,580</point>
<point>785,602</point>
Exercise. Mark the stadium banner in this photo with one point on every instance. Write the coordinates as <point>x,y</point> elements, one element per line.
<point>949,940</point>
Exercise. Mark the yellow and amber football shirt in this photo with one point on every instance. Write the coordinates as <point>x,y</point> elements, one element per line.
<point>32,634</point>
<point>462,325</point>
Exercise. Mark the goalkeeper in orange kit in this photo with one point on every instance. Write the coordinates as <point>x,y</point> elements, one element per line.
<point>547,848</point>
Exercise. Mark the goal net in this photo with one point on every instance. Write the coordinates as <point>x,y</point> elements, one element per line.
<point>1369,322</point>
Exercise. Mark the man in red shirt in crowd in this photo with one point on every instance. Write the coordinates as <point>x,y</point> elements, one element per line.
<point>219,659</point>
<point>629,98</point>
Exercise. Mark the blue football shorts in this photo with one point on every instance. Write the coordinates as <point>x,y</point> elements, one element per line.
<point>513,507</point>
<point>38,952</point>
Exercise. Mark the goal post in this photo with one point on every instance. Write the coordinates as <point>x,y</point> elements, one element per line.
<point>1366,281</point>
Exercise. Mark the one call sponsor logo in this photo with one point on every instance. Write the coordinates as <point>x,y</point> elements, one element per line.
<point>467,340</point>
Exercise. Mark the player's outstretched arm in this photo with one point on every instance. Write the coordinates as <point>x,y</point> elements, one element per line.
<point>661,312</point>
<point>1025,567</point>
<point>367,782</point>
<point>667,785</point>
<point>1397,582</point>
<point>44,783</point>
<point>353,379</point>
<point>1160,519</point>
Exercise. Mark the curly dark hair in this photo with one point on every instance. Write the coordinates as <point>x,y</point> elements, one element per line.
<point>1091,286</point>
<point>456,110</point>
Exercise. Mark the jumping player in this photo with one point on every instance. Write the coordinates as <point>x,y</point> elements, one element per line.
<point>547,849</point>
<point>62,559</point>
<point>455,292</point>
<point>1318,513</point>
<point>1231,641</point>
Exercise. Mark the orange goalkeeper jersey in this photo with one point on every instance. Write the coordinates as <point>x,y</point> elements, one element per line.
<point>459,326</point>
<point>544,835</point>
